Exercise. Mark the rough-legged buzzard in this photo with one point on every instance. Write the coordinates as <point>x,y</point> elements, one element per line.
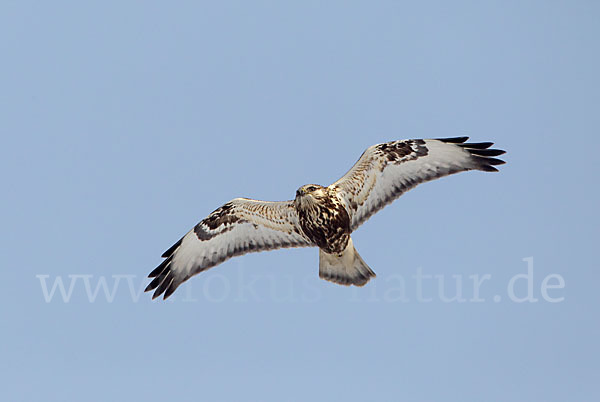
<point>320,216</point>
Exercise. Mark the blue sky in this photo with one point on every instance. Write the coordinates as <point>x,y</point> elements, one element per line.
<point>124,123</point>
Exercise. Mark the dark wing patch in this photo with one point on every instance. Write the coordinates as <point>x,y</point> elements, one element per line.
<point>397,151</point>
<point>221,216</point>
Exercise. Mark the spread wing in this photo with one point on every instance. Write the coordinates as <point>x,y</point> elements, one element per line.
<point>386,171</point>
<point>241,226</point>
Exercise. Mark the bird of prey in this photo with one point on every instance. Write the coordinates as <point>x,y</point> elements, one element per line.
<point>322,217</point>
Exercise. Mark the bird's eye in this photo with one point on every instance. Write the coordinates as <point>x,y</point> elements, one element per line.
<point>311,188</point>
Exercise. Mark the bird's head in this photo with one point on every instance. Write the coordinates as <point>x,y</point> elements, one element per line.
<point>310,193</point>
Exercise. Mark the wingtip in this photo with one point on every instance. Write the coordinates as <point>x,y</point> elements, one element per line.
<point>495,161</point>
<point>487,164</point>
<point>154,283</point>
<point>487,152</point>
<point>454,140</point>
<point>160,269</point>
<point>170,290</point>
<point>477,145</point>
<point>482,155</point>
<point>172,249</point>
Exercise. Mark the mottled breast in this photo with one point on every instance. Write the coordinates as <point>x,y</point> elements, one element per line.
<point>326,223</point>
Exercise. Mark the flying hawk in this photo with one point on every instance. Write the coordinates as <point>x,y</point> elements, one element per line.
<point>320,216</point>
